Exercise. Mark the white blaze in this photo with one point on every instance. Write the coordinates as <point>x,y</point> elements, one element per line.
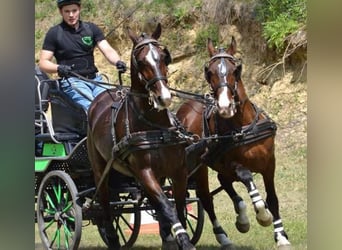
<point>223,100</point>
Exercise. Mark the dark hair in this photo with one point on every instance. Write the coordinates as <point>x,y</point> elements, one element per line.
<point>61,3</point>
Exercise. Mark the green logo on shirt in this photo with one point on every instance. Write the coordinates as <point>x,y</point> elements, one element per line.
<point>87,40</point>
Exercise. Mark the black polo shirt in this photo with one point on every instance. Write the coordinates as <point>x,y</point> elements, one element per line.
<point>74,46</point>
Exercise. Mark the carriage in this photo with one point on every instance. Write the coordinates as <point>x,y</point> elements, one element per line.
<point>158,163</point>
<point>64,182</point>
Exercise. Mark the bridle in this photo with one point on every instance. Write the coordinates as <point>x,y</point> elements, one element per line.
<point>153,44</point>
<point>223,72</point>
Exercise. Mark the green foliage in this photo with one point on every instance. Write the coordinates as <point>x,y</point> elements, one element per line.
<point>167,3</point>
<point>160,6</point>
<point>276,31</point>
<point>38,35</point>
<point>281,18</point>
<point>211,31</point>
<point>89,7</point>
<point>180,14</point>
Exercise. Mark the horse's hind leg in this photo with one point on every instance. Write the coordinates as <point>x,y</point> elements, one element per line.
<point>280,235</point>
<point>242,222</point>
<point>202,191</point>
<point>263,214</point>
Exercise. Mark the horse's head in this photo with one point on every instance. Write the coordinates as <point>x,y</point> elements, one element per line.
<point>223,74</point>
<point>149,62</point>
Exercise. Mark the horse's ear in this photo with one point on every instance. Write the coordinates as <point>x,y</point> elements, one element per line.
<point>211,49</point>
<point>168,58</point>
<point>237,72</point>
<point>156,34</point>
<point>206,73</point>
<point>132,35</point>
<point>232,48</point>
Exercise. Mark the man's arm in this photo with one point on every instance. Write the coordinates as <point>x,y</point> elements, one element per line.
<point>45,62</point>
<point>108,51</point>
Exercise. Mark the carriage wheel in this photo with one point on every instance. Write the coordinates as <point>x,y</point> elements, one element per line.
<point>59,218</point>
<point>194,215</point>
<point>127,220</point>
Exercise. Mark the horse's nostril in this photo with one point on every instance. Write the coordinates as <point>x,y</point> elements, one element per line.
<point>165,102</point>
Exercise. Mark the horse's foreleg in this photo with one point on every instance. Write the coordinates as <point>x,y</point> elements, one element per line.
<point>280,235</point>
<point>263,214</point>
<point>165,209</point>
<point>202,191</point>
<point>242,222</point>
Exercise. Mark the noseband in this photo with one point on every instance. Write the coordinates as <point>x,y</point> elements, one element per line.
<point>152,43</point>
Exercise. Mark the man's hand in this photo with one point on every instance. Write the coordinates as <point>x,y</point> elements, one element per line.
<point>64,70</point>
<point>121,66</point>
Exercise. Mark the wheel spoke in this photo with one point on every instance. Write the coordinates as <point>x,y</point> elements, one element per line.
<point>49,224</point>
<point>190,226</point>
<point>48,198</point>
<point>58,190</point>
<point>67,234</point>
<point>70,204</point>
<point>55,236</point>
<point>119,229</point>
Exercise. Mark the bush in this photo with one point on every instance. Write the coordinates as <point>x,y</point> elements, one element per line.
<point>211,31</point>
<point>281,18</point>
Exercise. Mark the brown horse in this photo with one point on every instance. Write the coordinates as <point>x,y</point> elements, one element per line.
<point>131,130</point>
<point>239,139</point>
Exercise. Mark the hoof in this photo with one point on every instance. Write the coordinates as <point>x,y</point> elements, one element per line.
<point>242,228</point>
<point>228,247</point>
<point>242,222</point>
<point>189,247</point>
<point>113,243</point>
<point>282,242</point>
<point>265,223</point>
<point>184,243</point>
<point>284,247</point>
<point>170,245</point>
<point>264,216</point>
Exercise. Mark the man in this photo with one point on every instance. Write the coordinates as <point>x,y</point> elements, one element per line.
<point>72,43</point>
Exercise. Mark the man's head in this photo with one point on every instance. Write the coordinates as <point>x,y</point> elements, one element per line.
<point>61,3</point>
<point>70,11</point>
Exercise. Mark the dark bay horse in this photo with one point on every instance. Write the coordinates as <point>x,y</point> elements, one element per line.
<point>132,131</point>
<point>239,140</point>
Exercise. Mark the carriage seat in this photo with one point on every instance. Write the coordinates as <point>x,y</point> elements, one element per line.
<point>68,119</point>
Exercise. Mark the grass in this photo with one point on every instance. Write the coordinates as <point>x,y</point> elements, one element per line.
<point>291,187</point>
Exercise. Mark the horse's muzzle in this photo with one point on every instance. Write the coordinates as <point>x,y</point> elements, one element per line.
<point>226,112</point>
<point>163,103</point>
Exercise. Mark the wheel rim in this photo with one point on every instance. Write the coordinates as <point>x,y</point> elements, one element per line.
<point>59,218</point>
<point>127,220</point>
<point>194,219</point>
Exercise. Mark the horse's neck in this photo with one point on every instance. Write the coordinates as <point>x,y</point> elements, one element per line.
<point>245,112</point>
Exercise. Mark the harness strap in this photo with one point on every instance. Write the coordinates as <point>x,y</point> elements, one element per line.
<point>219,144</point>
<point>222,144</point>
<point>147,140</point>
